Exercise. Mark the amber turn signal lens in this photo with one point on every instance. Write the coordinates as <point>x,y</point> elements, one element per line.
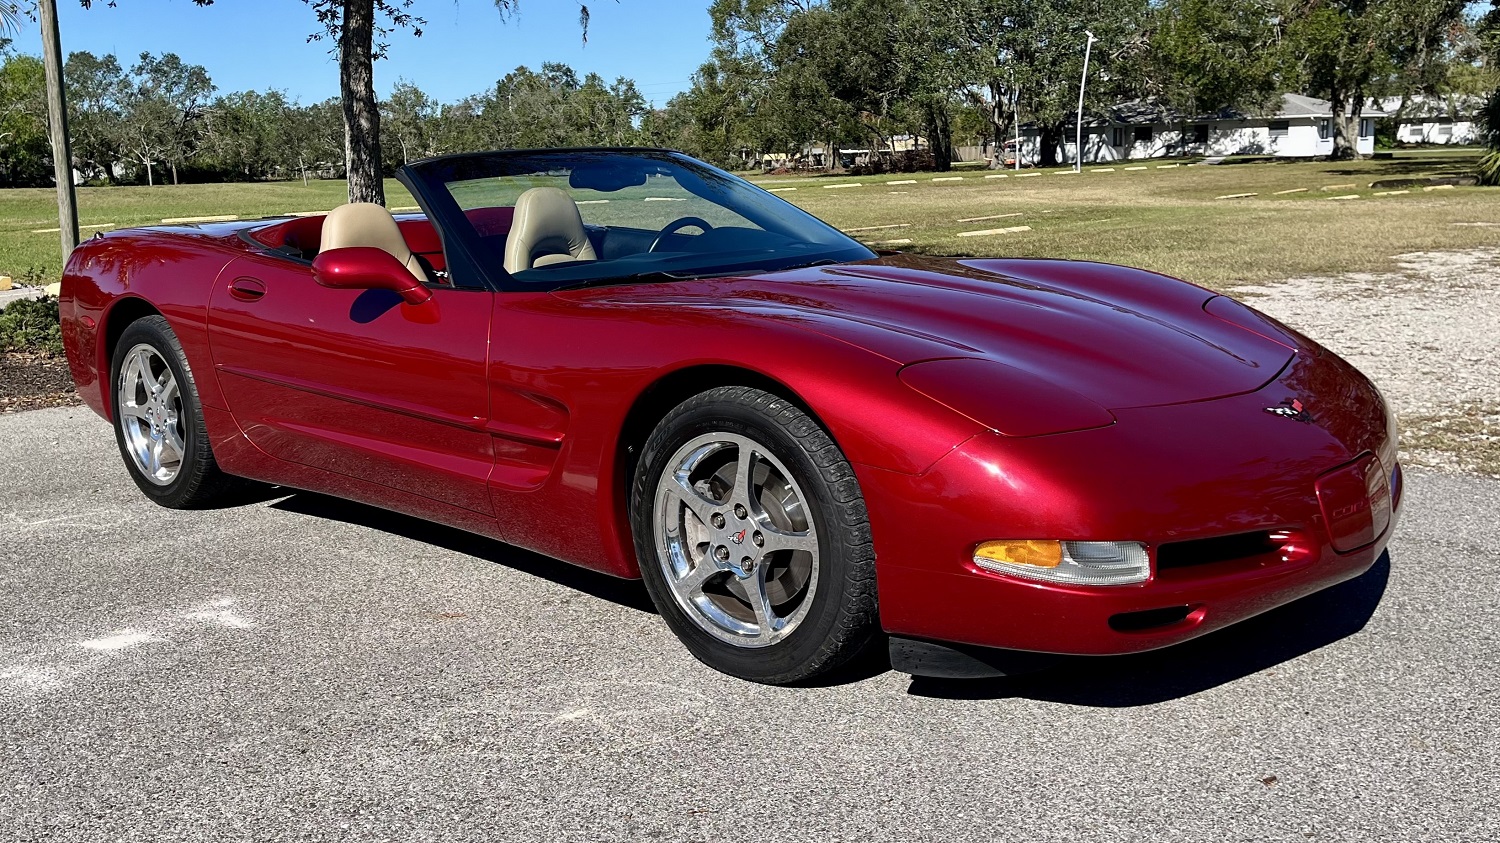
<point>1038,554</point>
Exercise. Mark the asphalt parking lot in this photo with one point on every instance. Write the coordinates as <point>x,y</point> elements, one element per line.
<point>301,668</point>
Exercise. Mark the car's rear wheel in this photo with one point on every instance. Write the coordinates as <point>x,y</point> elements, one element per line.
<point>753,538</point>
<point>159,421</point>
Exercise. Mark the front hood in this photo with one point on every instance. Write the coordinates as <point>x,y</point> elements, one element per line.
<point>1120,337</point>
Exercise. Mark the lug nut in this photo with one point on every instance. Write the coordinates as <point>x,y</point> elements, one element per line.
<point>717,520</point>
<point>721,553</point>
<point>760,540</point>
<point>739,511</point>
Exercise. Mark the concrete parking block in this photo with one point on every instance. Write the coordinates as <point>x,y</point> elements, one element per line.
<point>16,294</point>
<point>990,232</point>
<point>995,217</point>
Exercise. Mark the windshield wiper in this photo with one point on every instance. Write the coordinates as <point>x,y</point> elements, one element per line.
<point>809,264</point>
<point>663,275</point>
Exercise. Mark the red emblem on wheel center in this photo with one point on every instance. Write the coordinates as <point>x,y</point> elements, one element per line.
<point>738,538</point>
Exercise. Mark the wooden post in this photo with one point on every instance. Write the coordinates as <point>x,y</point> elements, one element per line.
<point>57,128</point>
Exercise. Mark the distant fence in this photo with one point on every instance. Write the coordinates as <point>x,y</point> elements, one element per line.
<point>968,153</point>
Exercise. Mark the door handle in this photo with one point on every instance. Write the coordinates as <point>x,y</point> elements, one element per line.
<point>247,289</point>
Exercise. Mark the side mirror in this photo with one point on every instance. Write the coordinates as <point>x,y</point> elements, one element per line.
<point>367,268</point>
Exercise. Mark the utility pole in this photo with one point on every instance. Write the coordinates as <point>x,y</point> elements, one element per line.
<point>57,127</point>
<point>1088,48</point>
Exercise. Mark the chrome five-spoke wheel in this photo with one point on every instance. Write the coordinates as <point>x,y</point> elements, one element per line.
<point>753,538</point>
<point>159,423</point>
<point>151,417</point>
<point>736,540</point>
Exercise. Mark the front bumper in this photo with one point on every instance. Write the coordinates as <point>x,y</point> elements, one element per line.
<point>1224,494</point>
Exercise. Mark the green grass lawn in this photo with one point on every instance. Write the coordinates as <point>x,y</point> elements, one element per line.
<point>1171,220</point>
<point>1168,220</point>
<point>28,255</point>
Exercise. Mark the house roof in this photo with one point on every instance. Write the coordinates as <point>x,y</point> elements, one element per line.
<point>1297,105</point>
<point>1423,106</point>
<point>1144,112</point>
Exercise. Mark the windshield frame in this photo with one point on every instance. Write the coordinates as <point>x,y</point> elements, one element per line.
<point>428,180</point>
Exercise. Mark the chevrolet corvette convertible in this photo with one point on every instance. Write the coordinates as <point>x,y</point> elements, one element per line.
<point>634,362</point>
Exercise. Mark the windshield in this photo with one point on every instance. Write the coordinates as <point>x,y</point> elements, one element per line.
<point>572,218</point>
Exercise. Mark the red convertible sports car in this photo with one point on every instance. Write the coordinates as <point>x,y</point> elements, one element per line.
<point>634,362</point>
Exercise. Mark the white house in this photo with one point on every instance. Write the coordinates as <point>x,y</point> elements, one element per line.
<point>1301,128</point>
<point>1437,120</point>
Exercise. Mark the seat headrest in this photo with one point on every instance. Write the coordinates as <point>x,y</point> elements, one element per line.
<point>368,224</point>
<point>546,229</point>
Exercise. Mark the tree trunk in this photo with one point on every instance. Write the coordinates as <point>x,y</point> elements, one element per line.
<point>174,172</point>
<point>361,112</point>
<point>1052,136</point>
<point>1002,120</point>
<point>1344,148</point>
<point>940,136</point>
<point>150,180</point>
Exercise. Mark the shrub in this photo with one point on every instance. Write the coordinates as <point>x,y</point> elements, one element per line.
<point>31,325</point>
<point>1489,169</point>
<point>1489,130</point>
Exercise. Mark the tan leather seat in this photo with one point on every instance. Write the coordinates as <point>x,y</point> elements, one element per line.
<point>546,230</point>
<point>368,224</point>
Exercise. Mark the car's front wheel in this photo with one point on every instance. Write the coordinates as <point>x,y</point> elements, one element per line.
<point>753,538</point>
<point>159,422</point>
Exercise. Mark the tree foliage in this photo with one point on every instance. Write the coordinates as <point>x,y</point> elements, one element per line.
<point>131,124</point>
<point>23,122</point>
<point>783,78</point>
<point>359,29</point>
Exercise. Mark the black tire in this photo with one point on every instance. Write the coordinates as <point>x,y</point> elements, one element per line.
<point>198,482</point>
<point>842,616</point>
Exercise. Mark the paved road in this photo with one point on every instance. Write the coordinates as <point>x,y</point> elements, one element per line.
<point>305,669</point>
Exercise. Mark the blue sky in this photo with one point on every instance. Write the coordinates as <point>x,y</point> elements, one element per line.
<point>465,47</point>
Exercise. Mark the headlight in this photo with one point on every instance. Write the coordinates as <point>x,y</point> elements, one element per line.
<point>1076,563</point>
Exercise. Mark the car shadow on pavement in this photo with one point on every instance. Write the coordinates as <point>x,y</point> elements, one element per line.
<point>628,593</point>
<point>1246,648</point>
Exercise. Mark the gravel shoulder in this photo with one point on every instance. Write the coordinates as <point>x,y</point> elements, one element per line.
<point>1428,336</point>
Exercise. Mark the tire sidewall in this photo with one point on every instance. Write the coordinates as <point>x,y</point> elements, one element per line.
<point>789,659</point>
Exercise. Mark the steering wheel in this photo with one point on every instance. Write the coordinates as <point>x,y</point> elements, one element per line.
<point>677,225</point>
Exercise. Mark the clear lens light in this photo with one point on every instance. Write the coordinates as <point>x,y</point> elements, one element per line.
<point>1077,563</point>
